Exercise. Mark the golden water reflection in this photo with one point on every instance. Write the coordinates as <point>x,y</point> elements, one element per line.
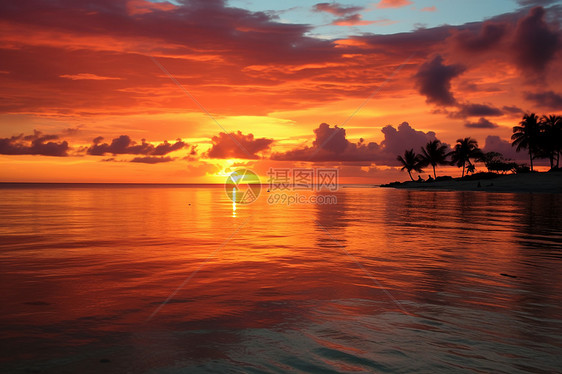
<point>85,267</point>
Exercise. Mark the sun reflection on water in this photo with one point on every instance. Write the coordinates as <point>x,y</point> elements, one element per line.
<point>234,202</point>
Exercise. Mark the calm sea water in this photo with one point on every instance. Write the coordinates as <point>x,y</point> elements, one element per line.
<point>152,279</point>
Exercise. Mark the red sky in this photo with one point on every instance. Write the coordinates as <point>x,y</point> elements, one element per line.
<point>85,98</point>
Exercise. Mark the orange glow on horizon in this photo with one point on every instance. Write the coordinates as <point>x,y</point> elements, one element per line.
<point>84,85</point>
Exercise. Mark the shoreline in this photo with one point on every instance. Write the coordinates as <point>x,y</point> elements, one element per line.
<point>549,182</point>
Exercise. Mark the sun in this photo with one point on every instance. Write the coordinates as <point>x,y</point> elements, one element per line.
<point>230,165</point>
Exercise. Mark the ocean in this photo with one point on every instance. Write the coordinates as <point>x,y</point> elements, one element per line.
<point>179,279</point>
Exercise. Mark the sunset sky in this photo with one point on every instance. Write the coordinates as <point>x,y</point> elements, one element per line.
<point>145,91</point>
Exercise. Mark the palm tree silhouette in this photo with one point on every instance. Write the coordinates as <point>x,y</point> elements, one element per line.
<point>526,136</point>
<point>465,149</point>
<point>410,161</point>
<point>434,153</point>
<point>551,138</point>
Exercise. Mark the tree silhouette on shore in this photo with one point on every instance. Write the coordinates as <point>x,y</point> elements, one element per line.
<point>434,153</point>
<point>526,135</point>
<point>411,161</point>
<point>540,136</point>
<point>464,150</point>
<point>550,139</point>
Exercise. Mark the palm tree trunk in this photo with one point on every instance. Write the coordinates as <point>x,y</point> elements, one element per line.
<point>462,170</point>
<point>531,158</point>
<point>410,174</point>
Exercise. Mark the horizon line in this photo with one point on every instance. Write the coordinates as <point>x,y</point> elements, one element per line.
<point>169,184</point>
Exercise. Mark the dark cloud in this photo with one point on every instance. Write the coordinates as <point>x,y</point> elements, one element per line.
<point>482,123</point>
<point>405,137</point>
<point>331,144</point>
<point>152,159</point>
<point>347,15</point>
<point>124,145</point>
<point>523,38</point>
<point>475,110</point>
<point>421,42</point>
<point>490,35</point>
<point>242,146</point>
<point>535,43</point>
<point>336,9</point>
<point>192,156</point>
<point>496,144</point>
<point>71,131</point>
<point>548,99</point>
<point>36,144</point>
<point>330,139</point>
<point>512,109</point>
<point>165,148</point>
<point>433,80</point>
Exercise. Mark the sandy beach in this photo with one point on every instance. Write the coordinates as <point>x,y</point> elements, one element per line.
<point>531,182</point>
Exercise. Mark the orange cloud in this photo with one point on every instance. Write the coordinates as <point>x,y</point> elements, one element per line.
<point>138,7</point>
<point>87,76</point>
<point>356,20</point>
<point>393,3</point>
<point>238,145</point>
<point>429,9</point>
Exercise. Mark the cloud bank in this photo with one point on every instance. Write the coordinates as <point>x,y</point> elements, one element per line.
<point>331,144</point>
<point>36,144</point>
<point>123,145</point>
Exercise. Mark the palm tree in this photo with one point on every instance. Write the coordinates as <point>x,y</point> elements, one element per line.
<point>410,161</point>
<point>526,136</point>
<point>465,149</point>
<point>551,138</point>
<point>434,153</point>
